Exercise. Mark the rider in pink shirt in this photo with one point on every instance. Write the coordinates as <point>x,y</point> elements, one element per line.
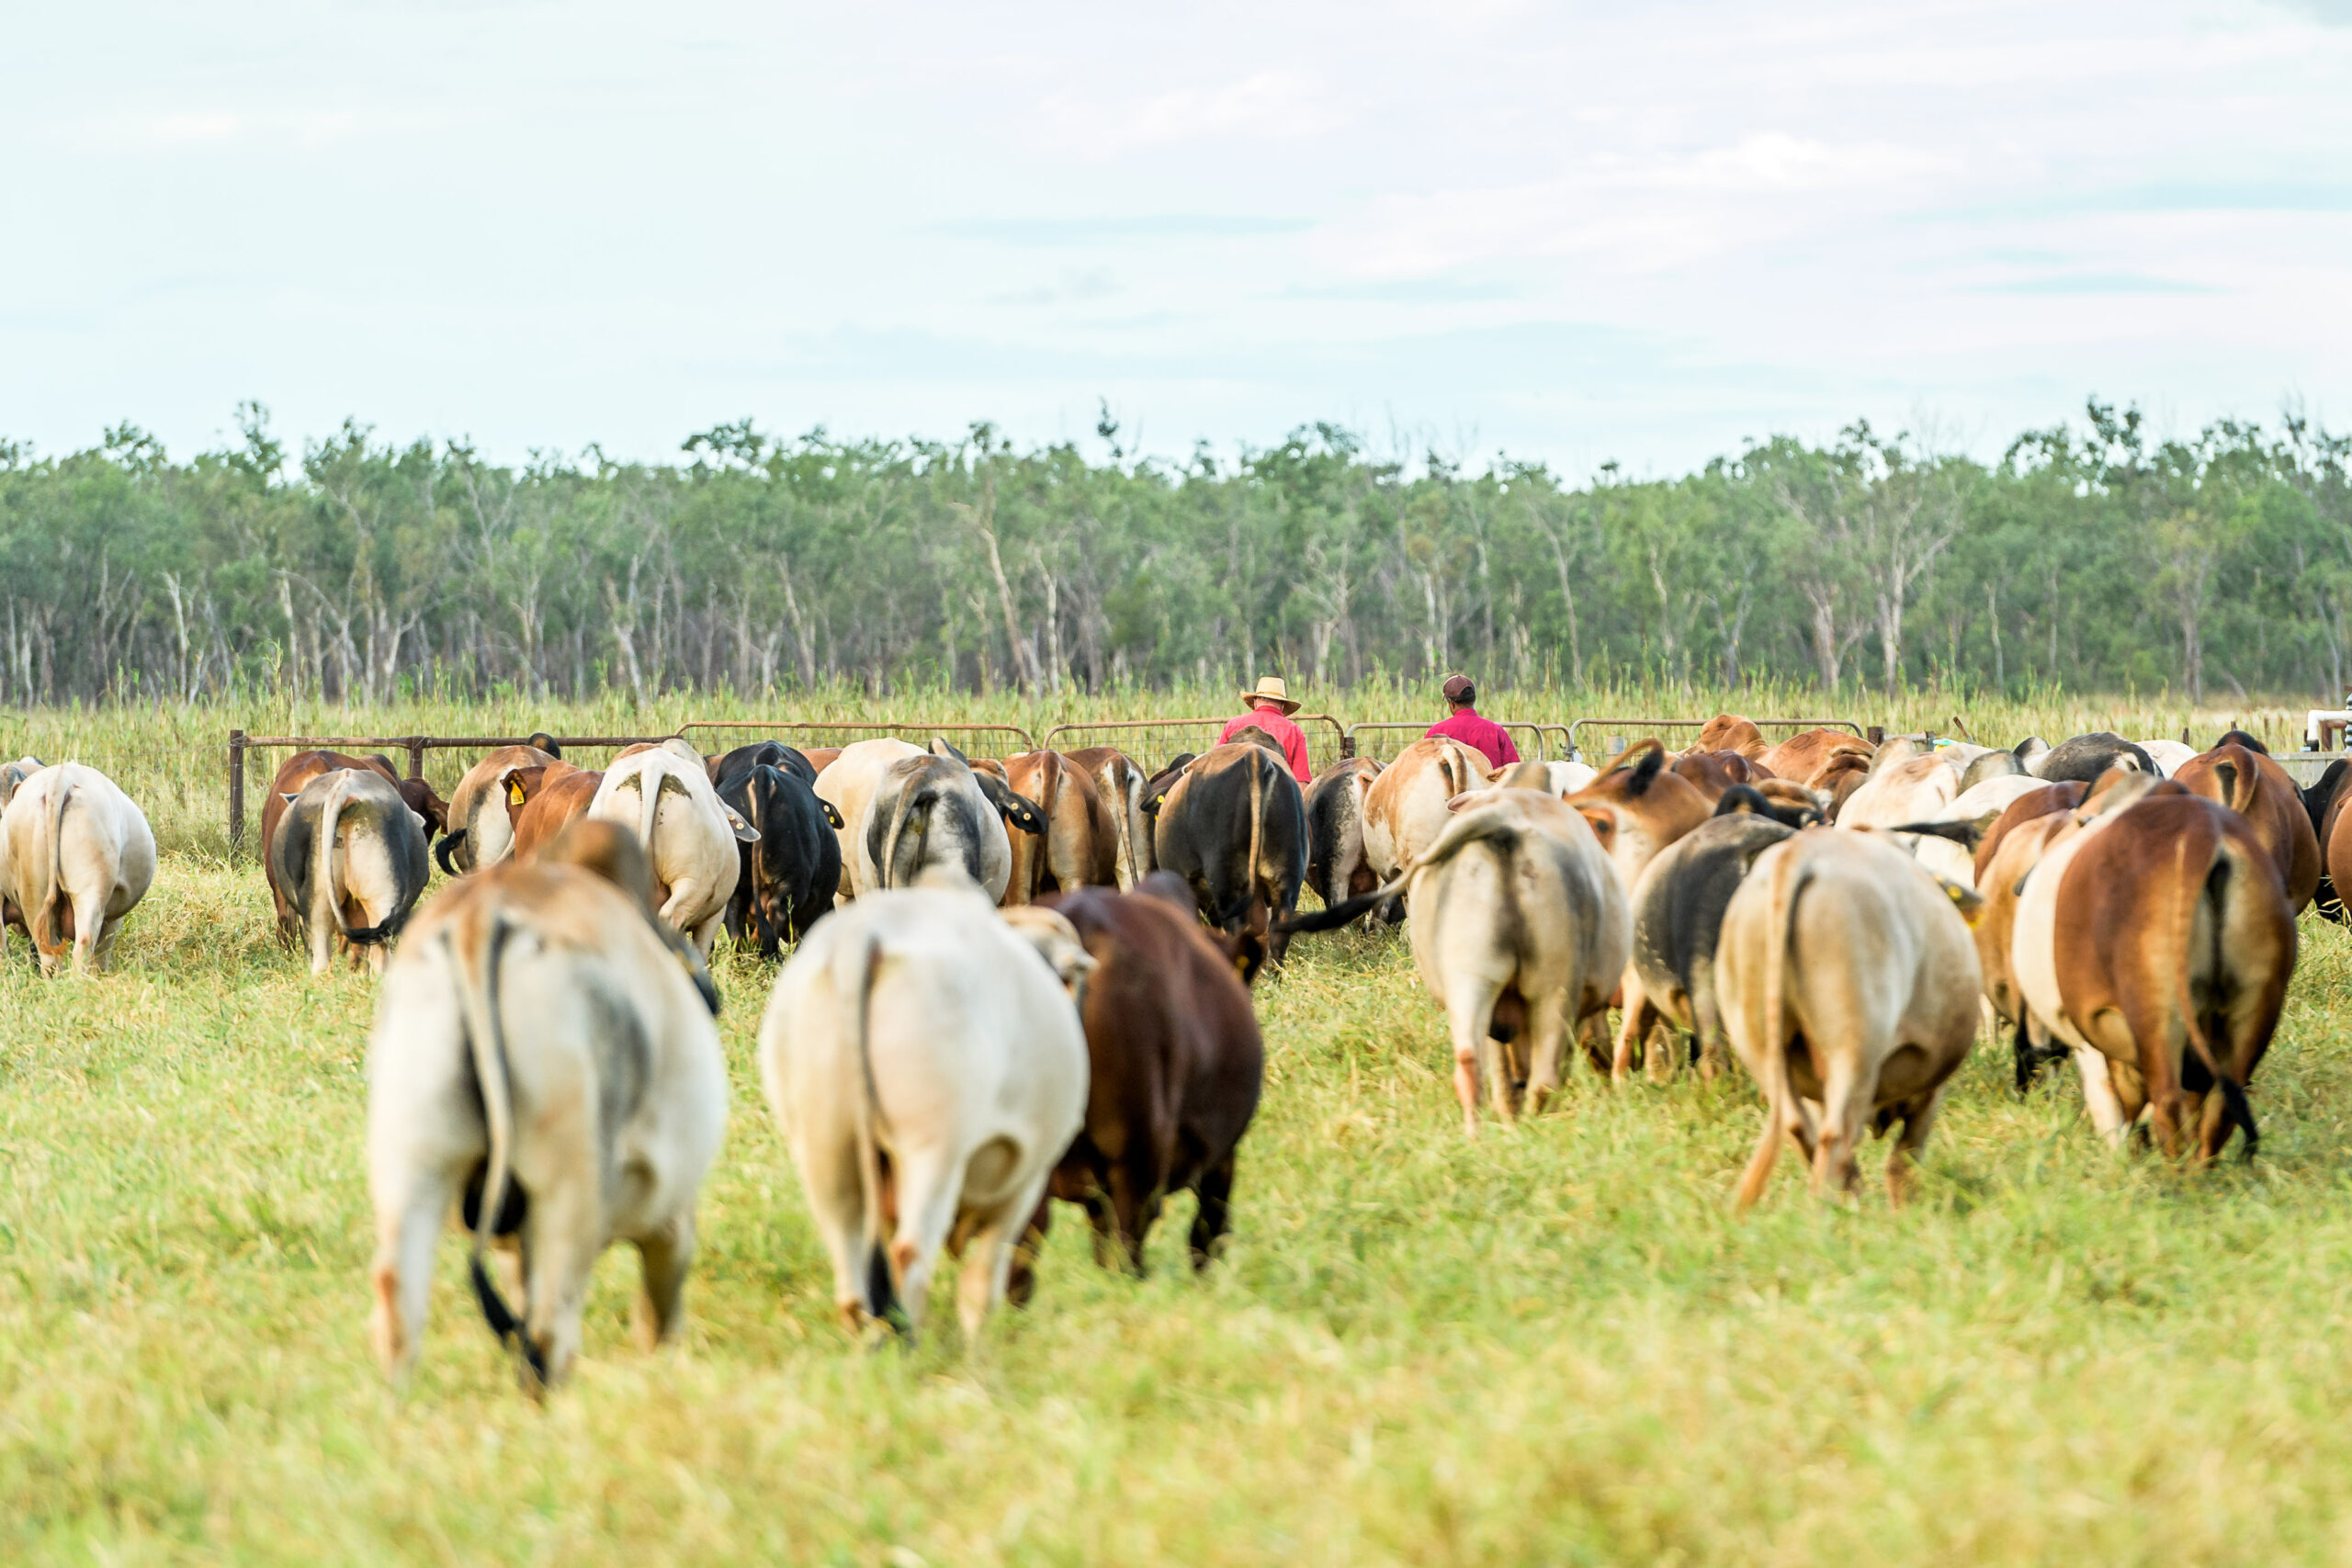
<point>1484,736</point>
<point>1271,711</point>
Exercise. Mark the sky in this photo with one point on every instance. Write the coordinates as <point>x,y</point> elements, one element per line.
<point>1574,232</point>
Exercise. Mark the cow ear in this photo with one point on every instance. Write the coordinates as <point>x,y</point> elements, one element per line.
<point>1967,900</point>
<point>943,747</point>
<point>743,830</point>
<point>1602,823</point>
<point>290,799</point>
<point>832,813</point>
<point>1468,797</point>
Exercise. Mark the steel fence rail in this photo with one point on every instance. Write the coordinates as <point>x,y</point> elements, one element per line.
<point>1532,753</point>
<point>1576,754</point>
<point>852,726</point>
<point>1327,737</point>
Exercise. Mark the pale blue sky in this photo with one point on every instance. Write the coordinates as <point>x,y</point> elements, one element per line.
<point>1573,231</point>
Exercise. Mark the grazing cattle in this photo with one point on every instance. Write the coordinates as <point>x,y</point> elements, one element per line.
<point>1563,779</point>
<point>2168,755</point>
<point>847,783</point>
<point>481,833</point>
<point>785,879</point>
<point>1907,789</point>
<point>1080,845</point>
<point>771,754</point>
<point>1519,929</point>
<point>1986,766</point>
<point>1714,771</point>
<point>302,767</point>
<point>347,861</point>
<point>544,1052</point>
<point>2084,758</point>
<point>1175,1066</point>
<point>1949,835</point>
<point>1729,732</point>
<point>76,855</point>
<point>1405,809</point>
<point>1636,808</point>
<point>1120,781</point>
<point>2156,941</point>
<point>541,801</point>
<point>1678,915</point>
<point>2259,789</point>
<point>2004,854</point>
<point>1817,758</point>
<point>1337,868</point>
<point>1847,981</point>
<point>928,1070</point>
<point>1233,824</point>
<point>663,792</point>
<point>932,810</point>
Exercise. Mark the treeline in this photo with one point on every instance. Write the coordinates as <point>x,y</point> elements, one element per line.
<point>2089,558</point>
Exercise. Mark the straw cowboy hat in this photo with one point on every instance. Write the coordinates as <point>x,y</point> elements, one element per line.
<point>1270,690</point>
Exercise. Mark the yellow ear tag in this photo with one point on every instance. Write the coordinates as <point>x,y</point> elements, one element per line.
<point>1969,906</point>
<point>513,792</point>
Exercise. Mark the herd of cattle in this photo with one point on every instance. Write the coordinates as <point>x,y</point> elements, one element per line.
<point>1022,980</point>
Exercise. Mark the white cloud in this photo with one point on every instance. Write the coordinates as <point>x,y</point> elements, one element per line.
<point>1276,105</point>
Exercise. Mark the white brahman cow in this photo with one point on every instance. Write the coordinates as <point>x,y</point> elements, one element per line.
<point>76,855</point>
<point>543,1051</point>
<point>927,1068</point>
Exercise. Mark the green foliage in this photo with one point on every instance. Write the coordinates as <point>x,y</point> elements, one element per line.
<point>2091,557</point>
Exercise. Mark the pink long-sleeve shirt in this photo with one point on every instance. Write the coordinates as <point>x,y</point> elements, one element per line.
<point>1483,735</point>
<point>1272,720</point>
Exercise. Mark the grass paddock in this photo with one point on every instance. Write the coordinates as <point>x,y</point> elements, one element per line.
<point>1554,1344</point>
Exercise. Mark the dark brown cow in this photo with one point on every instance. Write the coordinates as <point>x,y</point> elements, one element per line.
<point>300,769</point>
<point>1637,807</point>
<point>541,801</point>
<point>2250,783</point>
<point>1177,1068</point>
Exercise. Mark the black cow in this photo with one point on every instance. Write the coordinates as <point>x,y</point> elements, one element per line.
<point>2083,758</point>
<point>1679,918</point>
<point>790,873</point>
<point>1335,868</point>
<point>772,753</point>
<point>1232,823</point>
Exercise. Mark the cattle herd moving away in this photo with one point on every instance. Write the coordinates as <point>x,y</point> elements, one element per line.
<point>1020,980</point>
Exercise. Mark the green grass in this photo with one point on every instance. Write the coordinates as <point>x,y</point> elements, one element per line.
<point>1551,1345</point>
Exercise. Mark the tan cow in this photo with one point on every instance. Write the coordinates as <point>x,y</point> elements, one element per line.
<point>1729,732</point>
<point>1847,980</point>
<point>1080,846</point>
<point>76,856</point>
<point>1818,759</point>
<point>1119,780</point>
<point>542,802</point>
<point>538,1034</point>
<point>1405,809</point>
<point>2157,942</point>
<point>479,832</point>
<point>1519,929</point>
<point>2245,780</point>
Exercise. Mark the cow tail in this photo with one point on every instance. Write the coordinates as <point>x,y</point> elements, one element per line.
<point>2213,880</point>
<point>648,808</point>
<point>1789,880</point>
<point>854,968</point>
<point>1260,781</point>
<point>477,996</point>
<point>1126,784</point>
<point>322,858</point>
<point>447,847</point>
<point>1469,828</point>
<point>1050,798</point>
<point>55,893</point>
